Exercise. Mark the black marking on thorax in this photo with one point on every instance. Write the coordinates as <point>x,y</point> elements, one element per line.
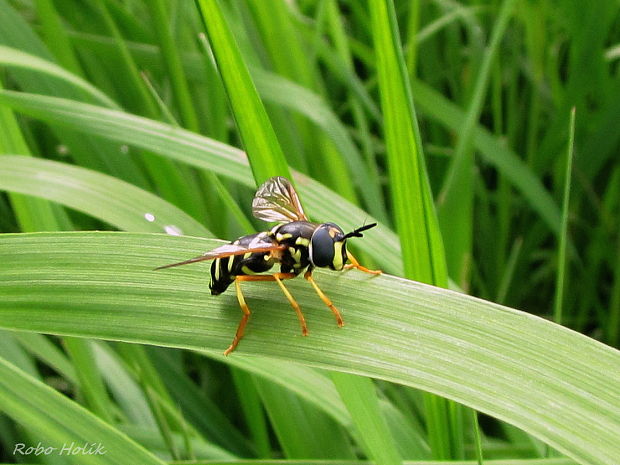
<point>296,236</point>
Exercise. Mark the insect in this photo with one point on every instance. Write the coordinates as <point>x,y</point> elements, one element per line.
<point>296,244</point>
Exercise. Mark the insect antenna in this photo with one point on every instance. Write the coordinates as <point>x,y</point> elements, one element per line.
<point>358,232</point>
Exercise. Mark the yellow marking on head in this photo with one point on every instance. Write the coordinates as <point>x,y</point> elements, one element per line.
<point>337,262</point>
<point>333,232</point>
<point>302,241</point>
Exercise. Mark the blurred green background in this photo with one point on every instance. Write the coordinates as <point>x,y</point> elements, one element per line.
<point>527,200</point>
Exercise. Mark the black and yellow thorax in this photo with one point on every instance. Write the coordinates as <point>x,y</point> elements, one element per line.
<point>296,236</point>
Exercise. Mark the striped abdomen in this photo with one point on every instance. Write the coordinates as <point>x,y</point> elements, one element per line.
<point>224,270</point>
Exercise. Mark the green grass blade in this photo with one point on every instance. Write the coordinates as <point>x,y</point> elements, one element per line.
<point>279,91</point>
<point>477,439</point>
<point>129,398</point>
<point>266,159</point>
<point>556,384</point>
<point>158,397</point>
<point>316,388</point>
<point>562,272</point>
<point>136,90</point>
<point>12,57</point>
<point>172,61</point>
<point>12,352</point>
<point>198,409</point>
<point>59,421</point>
<point>276,25</point>
<point>302,429</point>
<point>360,398</point>
<point>259,140</point>
<point>336,29</point>
<point>114,201</point>
<point>310,384</point>
<point>90,382</point>
<point>56,36</point>
<point>253,412</point>
<point>613,322</point>
<point>46,351</point>
<point>414,213</point>
<point>152,440</point>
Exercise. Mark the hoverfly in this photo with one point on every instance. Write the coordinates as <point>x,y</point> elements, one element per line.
<point>295,243</point>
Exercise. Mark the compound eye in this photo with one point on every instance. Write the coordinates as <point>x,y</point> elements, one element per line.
<point>322,247</point>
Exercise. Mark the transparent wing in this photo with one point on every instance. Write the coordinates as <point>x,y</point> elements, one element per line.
<point>276,200</point>
<point>227,250</point>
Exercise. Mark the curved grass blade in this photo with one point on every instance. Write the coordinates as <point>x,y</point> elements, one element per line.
<point>12,57</point>
<point>116,202</point>
<point>558,385</point>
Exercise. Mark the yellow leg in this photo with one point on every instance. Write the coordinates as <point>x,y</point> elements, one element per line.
<point>294,304</point>
<point>324,298</point>
<point>244,319</point>
<point>355,264</point>
<point>278,277</point>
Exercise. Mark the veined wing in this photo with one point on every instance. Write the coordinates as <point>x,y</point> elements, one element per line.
<point>276,200</point>
<point>227,250</point>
